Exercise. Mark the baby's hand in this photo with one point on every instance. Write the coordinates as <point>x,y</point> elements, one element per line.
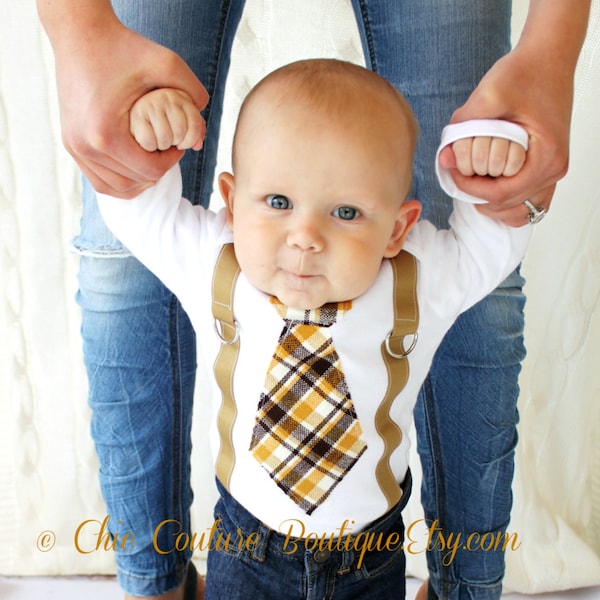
<point>490,156</point>
<point>164,118</point>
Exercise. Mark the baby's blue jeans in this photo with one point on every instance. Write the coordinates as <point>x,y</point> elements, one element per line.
<point>249,560</point>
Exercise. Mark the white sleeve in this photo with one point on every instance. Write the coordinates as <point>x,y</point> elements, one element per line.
<point>462,265</point>
<point>166,233</point>
<point>474,128</point>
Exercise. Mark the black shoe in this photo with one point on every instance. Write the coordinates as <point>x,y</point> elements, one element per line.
<point>191,583</point>
<point>431,595</point>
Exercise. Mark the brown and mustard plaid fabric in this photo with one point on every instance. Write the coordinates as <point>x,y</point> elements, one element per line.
<point>307,435</point>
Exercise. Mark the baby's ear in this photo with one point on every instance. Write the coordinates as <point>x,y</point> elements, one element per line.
<point>227,188</point>
<point>406,218</point>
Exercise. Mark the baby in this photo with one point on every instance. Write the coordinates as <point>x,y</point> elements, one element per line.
<point>330,270</point>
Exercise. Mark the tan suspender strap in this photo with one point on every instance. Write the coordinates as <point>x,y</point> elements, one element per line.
<point>406,307</point>
<point>393,349</point>
<point>225,276</point>
<point>394,352</point>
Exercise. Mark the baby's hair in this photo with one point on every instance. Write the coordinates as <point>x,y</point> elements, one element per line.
<point>331,86</point>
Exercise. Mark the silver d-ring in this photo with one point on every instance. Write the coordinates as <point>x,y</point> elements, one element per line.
<point>406,352</point>
<point>219,326</point>
<point>536,213</point>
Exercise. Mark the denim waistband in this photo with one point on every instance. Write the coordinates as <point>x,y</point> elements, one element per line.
<point>267,539</point>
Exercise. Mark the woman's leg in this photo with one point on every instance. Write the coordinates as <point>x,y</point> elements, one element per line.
<point>139,346</point>
<point>436,53</point>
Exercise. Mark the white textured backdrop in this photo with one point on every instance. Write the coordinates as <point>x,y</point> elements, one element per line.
<point>47,465</point>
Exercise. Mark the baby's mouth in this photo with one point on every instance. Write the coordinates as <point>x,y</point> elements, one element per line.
<point>298,280</point>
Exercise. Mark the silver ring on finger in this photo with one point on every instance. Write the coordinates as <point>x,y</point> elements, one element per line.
<point>536,213</point>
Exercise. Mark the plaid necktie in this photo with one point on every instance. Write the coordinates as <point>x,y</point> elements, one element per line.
<point>307,435</point>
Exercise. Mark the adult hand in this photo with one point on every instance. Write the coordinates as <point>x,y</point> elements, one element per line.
<point>101,72</point>
<point>533,87</point>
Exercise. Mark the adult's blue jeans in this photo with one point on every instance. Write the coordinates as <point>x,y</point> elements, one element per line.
<point>139,346</point>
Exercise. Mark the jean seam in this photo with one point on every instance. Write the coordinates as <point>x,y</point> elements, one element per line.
<point>438,474</point>
<point>217,58</point>
<point>369,50</point>
<point>177,445</point>
<point>210,84</point>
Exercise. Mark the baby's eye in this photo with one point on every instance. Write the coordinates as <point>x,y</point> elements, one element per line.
<point>347,213</point>
<point>279,202</point>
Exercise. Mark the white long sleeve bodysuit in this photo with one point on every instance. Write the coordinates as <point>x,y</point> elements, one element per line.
<point>456,268</point>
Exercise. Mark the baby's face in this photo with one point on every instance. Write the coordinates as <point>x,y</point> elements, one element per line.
<point>314,207</point>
